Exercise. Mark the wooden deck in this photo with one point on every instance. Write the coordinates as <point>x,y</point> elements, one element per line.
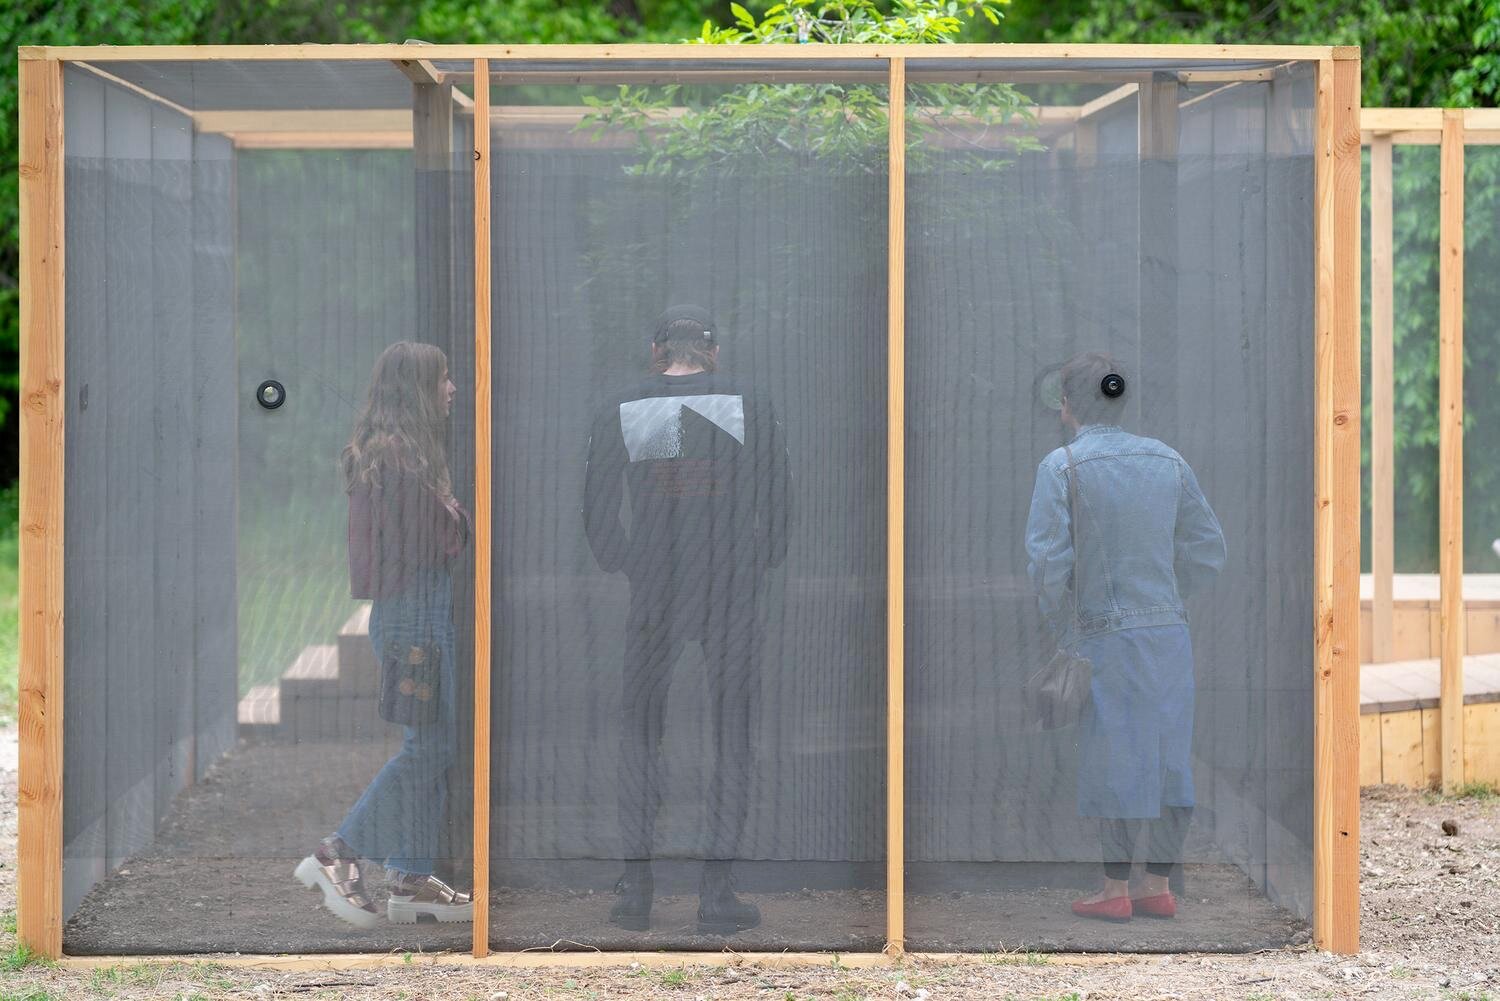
<point>1415,615</point>
<point>1399,726</point>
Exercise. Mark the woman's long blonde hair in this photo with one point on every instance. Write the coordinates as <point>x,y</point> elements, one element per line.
<point>403,423</point>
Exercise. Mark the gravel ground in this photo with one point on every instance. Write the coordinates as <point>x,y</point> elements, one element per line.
<point>1430,913</point>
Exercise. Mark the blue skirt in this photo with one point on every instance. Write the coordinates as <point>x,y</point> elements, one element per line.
<point>1136,740</point>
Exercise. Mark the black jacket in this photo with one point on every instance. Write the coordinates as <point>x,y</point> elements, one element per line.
<point>708,475</point>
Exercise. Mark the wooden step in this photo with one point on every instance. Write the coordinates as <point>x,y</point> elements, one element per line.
<point>260,713</point>
<point>315,673</point>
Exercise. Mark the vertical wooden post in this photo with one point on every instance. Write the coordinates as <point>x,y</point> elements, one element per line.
<point>1336,532</point>
<point>1451,446</point>
<point>39,853</point>
<point>1382,403</point>
<point>1157,368</point>
<point>483,482</point>
<point>895,535</point>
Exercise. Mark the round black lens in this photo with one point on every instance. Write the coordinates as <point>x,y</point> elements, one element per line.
<point>1112,385</point>
<point>270,394</point>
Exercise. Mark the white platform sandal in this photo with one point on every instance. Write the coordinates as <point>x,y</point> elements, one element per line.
<point>413,896</point>
<point>343,889</point>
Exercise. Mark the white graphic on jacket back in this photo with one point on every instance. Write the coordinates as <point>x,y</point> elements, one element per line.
<point>653,427</point>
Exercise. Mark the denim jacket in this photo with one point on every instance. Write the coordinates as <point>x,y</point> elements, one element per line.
<point>1146,536</point>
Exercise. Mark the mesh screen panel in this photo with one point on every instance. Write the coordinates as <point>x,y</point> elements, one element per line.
<point>1481,363</point>
<point>1172,234</point>
<point>223,687</point>
<point>689,568</point>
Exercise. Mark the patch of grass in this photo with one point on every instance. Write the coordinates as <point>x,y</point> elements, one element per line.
<point>674,978</point>
<point>1477,790</point>
<point>1017,959</point>
<point>8,923</point>
<point>29,993</point>
<point>19,957</point>
<point>1481,791</point>
<point>10,554</point>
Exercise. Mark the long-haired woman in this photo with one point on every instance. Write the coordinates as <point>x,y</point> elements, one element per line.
<point>405,529</point>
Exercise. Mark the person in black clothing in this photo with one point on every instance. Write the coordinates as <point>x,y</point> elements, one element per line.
<point>705,463</point>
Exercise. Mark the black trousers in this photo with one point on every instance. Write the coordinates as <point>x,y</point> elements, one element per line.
<point>656,633</point>
<point>1164,838</point>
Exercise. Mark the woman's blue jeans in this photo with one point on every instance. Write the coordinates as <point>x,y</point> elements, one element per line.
<point>398,819</point>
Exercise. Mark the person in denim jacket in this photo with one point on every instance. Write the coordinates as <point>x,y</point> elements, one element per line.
<point>1111,588</point>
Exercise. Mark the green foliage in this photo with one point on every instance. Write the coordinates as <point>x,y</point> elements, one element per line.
<point>842,126</point>
<point>9,608</point>
<point>1418,54</point>
<point>851,22</point>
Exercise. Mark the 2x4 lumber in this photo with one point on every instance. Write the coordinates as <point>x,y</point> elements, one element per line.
<point>134,88</point>
<point>321,140</point>
<point>1336,524</point>
<point>693,51</point>
<point>1382,405</point>
<point>431,122</point>
<point>1227,76</point>
<point>419,71</point>
<point>305,120</point>
<point>1472,137</point>
<point>549,959</point>
<point>1451,445</point>
<point>895,535</point>
<point>1426,120</point>
<point>606,74</point>
<point>1112,101</point>
<point>483,508</point>
<point>39,850</point>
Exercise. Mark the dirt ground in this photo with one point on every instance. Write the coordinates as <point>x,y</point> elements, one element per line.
<point>1430,917</point>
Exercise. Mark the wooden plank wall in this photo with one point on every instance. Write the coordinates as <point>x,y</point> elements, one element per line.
<point>1404,748</point>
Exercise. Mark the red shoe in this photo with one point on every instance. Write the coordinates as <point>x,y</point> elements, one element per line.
<point>1113,909</point>
<point>1163,905</point>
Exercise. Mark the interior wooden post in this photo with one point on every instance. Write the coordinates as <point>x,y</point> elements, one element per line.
<point>1451,447</point>
<point>1382,403</point>
<point>483,482</point>
<point>1336,524</point>
<point>39,850</point>
<point>895,540</point>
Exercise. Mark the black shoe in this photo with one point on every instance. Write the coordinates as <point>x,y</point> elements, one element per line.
<point>720,912</point>
<point>635,888</point>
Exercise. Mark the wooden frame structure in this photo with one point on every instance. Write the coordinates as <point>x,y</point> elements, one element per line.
<point>1451,130</point>
<point>1336,435</point>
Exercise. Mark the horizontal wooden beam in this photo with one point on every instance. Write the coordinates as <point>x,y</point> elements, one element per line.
<point>1472,137</point>
<point>321,140</point>
<point>685,51</point>
<point>304,120</point>
<point>1425,120</point>
<point>545,959</point>
<point>1228,76</point>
